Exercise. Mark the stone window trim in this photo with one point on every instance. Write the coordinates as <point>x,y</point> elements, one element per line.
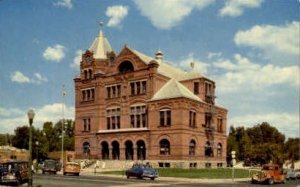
<point>113,91</point>
<point>113,118</point>
<point>88,94</point>
<point>138,87</point>
<point>138,116</point>
<point>192,119</point>
<point>165,117</point>
<point>86,124</point>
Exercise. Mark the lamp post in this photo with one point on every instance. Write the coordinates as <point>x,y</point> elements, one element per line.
<point>62,125</point>
<point>30,115</point>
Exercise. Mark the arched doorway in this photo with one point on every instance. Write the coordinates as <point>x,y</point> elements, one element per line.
<point>105,151</point>
<point>115,150</point>
<point>141,150</point>
<point>86,149</point>
<point>128,150</point>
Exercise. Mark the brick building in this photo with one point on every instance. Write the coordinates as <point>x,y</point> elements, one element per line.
<point>130,106</point>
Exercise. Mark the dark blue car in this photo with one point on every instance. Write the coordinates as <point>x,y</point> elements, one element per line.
<point>141,171</point>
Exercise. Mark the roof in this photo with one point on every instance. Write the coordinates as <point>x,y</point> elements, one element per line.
<point>100,47</point>
<point>174,89</point>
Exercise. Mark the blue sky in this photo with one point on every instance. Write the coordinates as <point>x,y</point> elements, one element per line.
<point>250,48</point>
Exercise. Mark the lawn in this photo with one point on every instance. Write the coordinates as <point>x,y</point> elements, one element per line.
<point>220,173</point>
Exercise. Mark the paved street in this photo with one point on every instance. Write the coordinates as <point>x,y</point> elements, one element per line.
<point>110,181</point>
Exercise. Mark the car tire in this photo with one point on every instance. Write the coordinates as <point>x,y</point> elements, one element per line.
<point>65,173</point>
<point>127,176</point>
<point>152,178</point>
<point>271,181</point>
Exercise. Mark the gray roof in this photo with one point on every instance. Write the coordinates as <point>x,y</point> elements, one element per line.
<point>100,47</point>
<point>174,89</point>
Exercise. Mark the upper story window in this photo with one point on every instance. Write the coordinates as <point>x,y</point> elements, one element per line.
<point>196,88</point>
<point>192,119</point>
<point>86,124</point>
<point>113,91</point>
<point>88,94</point>
<point>138,87</point>
<point>138,116</point>
<point>88,73</point>
<point>113,118</point>
<point>165,117</point>
<point>220,125</point>
<point>209,92</point>
<point>126,67</point>
<point>208,120</point>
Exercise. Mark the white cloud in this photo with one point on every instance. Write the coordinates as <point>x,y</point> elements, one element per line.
<point>77,60</point>
<point>19,77</point>
<point>64,3</point>
<point>212,55</point>
<point>271,39</point>
<point>11,118</point>
<point>286,123</point>
<point>199,66</point>
<point>234,8</point>
<point>167,14</point>
<point>116,14</point>
<point>55,53</point>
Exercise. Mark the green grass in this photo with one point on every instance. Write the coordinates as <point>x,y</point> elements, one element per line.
<point>220,173</point>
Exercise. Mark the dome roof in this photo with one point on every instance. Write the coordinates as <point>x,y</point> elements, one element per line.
<point>100,47</point>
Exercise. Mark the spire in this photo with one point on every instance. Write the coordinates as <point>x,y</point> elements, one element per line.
<point>100,46</point>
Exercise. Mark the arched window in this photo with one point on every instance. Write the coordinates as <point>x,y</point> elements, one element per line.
<point>208,151</point>
<point>128,150</point>
<point>141,150</point>
<point>164,145</point>
<point>90,74</point>
<point>125,67</point>
<point>86,148</point>
<point>219,150</point>
<point>192,147</point>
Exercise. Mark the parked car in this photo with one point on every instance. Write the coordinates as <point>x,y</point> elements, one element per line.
<point>71,168</point>
<point>51,166</point>
<point>270,173</point>
<point>14,172</point>
<point>297,173</point>
<point>290,174</point>
<point>142,171</point>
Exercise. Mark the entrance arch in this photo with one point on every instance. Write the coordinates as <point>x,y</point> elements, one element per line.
<point>115,150</point>
<point>105,151</point>
<point>128,150</point>
<point>141,150</point>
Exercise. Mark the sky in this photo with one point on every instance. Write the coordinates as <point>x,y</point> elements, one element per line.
<point>250,48</point>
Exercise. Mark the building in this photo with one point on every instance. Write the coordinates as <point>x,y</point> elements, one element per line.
<point>9,153</point>
<point>130,106</point>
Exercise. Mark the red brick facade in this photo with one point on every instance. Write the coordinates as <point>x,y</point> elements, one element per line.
<point>133,107</point>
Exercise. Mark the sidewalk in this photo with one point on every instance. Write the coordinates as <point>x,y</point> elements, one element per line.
<point>89,172</point>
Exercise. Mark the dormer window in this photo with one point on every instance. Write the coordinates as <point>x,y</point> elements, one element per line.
<point>126,67</point>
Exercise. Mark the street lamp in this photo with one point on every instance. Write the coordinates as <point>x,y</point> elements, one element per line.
<point>30,115</point>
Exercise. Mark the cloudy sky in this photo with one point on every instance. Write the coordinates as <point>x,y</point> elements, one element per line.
<point>250,48</point>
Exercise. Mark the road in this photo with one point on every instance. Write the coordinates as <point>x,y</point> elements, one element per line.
<point>93,181</point>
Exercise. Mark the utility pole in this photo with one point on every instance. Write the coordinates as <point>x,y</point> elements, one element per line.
<point>62,125</point>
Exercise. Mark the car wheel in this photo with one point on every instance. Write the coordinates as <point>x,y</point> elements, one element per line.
<point>127,176</point>
<point>64,173</point>
<point>152,178</point>
<point>284,181</point>
<point>271,181</point>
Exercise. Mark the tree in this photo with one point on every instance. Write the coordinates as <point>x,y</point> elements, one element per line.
<point>292,148</point>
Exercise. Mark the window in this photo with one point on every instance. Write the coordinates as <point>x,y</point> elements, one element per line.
<point>208,119</point>
<point>165,117</point>
<point>86,147</point>
<point>113,91</point>
<point>220,125</point>
<point>126,67</point>
<point>219,150</point>
<point>208,151</point>
<point>192,119</point>
<point>209,93</point>
<point>192,148</point>
<point>113,119</point>
<point>164,147</point>
<point>196,88</point>
<point>138,116</point>
<point>88,94</point>
<point>88,73</point>
<point>138,87</point>
<point>87,59</point>
<point>86,124</point>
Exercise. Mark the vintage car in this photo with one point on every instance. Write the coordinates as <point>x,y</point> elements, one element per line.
<point>71,168</point>
<point>270,173</point>
<point>290,174</point>
<point>141,171</point>
<point>51,166</point>
<point>14,172</point>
